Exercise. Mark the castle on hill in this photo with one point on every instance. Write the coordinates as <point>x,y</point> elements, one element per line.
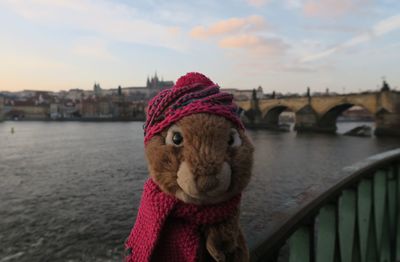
<point>153,85</point>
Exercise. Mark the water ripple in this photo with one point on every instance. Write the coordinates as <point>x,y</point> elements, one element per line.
<point>70,191</point>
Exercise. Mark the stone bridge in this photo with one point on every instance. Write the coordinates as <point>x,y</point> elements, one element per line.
<point>319,113</point>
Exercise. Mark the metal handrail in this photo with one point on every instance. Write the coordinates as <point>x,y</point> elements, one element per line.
<point>268,249</point>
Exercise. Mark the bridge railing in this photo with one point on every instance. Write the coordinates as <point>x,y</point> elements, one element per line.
<point>358,219</point>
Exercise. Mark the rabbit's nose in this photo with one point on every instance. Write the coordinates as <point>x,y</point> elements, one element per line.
<point>207,183</point>
<point>224,178</point>
<point>214,183</point>
<point>204,185</point>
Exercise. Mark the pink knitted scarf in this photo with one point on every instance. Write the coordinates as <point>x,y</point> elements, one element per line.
<point>167,229</point>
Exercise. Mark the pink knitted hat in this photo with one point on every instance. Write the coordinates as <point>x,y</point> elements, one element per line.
<point>193,93</point>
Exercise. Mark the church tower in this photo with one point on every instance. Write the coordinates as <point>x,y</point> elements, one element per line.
<point>148,82</point>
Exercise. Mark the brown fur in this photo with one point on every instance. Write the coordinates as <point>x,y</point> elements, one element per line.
<point>205,149</point>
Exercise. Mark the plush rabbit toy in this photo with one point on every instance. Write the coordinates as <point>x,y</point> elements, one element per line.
<point>200,160</point>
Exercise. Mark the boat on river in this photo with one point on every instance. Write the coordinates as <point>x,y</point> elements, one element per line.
<point>362,131</point>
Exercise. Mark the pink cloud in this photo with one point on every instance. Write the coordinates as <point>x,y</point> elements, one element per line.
<point>242,34</point>
<point>332,8</point>
<point>232,25</point>
<point>269,46</point>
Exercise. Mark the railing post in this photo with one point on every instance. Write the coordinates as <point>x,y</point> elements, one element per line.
<point>398,212</point>
<point>346,224</point>
<point>381,217</point>
<point>364,204</point>
<point>326,234</point>
<point>299,245</point>
<point>392,209</point>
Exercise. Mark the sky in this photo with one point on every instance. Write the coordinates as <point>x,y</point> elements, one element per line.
<point>282,45</point>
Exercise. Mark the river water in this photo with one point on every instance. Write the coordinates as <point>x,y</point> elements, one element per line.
<point>69,191</point>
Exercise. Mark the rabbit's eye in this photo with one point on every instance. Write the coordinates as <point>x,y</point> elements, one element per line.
<point>234,138</point>
<point>231,139</point>
<point>174,136</point>
<point>177,138</point>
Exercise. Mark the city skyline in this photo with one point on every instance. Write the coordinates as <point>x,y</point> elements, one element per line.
<point>281,45</point>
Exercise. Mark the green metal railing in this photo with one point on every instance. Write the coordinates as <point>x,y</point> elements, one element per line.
<point>358,219</point>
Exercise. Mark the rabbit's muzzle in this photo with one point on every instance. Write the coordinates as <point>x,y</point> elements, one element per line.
<point>204,185</point>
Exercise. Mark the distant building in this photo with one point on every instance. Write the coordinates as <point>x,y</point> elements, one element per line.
<point>74,94</point>
<point>97,89</point>
<point>244,94</point>
<point>25,94</point>
<point>28,109</point>
<point>119,103</point>
<point>153,86</point>
<point>1,108</point>
<point>54,111</point>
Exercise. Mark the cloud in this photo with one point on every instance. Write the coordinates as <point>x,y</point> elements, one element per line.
<point>379,29</point>
<point>248,34</point>
<point>228,26</point>
<point>332,8</point>
<point>257,66</point>
<point>335,28</point>
<point>293,4</point>
<point>105,19</point>
<point>387,25</point>
<point>269,46</point>
<point>258,3</point>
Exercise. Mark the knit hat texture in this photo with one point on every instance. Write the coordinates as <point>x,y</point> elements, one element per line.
<point>193,93</point>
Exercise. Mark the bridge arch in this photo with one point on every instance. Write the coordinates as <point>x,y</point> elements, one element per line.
<point>323,105</point>
<point>271,115</point>
<point>328,119</point>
